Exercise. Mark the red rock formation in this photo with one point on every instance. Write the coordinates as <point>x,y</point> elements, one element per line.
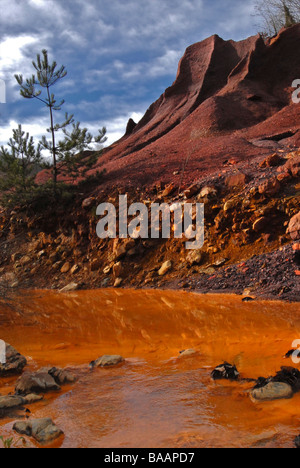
<point>229,100</point>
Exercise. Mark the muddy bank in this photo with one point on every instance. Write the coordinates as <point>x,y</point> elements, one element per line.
<point>252,225</point>
<point>266,276</point>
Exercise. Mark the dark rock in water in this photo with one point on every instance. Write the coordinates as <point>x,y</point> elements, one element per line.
<point>39,382</point>
<point>291,352</point>
<point>272,391</point>
<point>47,379</point>
<point>61,376</point>
<point>297,442</point>
<point>43,431</point>
<point>225,371</point>
<point>13,401</point>
<point>107,361</point>
<point>287,375</point>
<point>248,299</point>
<point>290,376</point>
<point>15,362</point>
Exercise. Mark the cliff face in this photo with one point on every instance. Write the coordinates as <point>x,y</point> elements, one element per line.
<point>226,94</point>
<point>230,112</point>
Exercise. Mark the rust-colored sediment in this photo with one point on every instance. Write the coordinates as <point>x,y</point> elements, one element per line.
<point>157,399</point>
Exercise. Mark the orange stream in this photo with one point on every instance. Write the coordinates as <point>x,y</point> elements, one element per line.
<point>156,399</point>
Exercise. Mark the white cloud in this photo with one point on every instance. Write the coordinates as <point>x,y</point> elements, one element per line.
<point>12,51</point>
<point>115,128</point>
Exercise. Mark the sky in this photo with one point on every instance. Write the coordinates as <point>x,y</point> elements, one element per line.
<point>120,54</point>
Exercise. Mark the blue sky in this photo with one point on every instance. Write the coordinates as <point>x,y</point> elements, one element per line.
<point>120,54</point>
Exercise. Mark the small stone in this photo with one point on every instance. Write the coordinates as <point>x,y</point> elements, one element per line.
<point>208,192</point>
<point>229,205</point>
<point>32,398</point>
<point>66,268</point>
<point>225,371</point>
<point>165,268</point>
<point>95,264</point>
<point>62,376</point>
<point>187,352</point>
<point>294,227</point>
<point>41,254</point>
<point>269,187</point>
<point>194,257</point>
<point>118,270</point>
<point>107,361</point>
<point>191,191</point>
<point>118,282</point>
<point>88,203</point>
<point>25,260</point>
<point>272,161</point>
<point>239,179</point>
<point>260,224</point>
<point>75,269</point>
<point>168,190</point>
<point>69,288</point>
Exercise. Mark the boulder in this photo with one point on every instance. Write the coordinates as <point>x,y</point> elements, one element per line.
<point>15,362</point>
<point>294,227</point>
<point>272,391</point>
<point>107,361</point>
<point>39,382</point>
<point>43,430</point>
<point>13,401</point>
<point>61,376</point>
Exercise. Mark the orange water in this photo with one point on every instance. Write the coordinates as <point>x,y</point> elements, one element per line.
<point>156,399</point>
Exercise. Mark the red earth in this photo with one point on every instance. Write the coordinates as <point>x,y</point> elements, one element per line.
<point>230,100</point>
